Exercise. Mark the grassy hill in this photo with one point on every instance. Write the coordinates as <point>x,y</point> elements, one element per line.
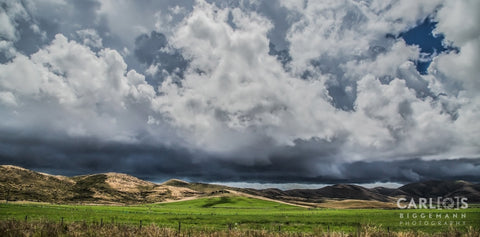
<point>179,208</point>
<point>19,184</point>
<point>234,213</point>
<point>443,189</point>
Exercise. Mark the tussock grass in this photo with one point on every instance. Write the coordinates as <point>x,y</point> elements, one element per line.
<point>16,228</point>
<point>227,216</point>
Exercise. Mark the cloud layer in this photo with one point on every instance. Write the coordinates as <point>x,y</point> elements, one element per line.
<point>300,91</point>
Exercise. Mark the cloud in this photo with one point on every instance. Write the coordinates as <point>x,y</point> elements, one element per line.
<point>8,98</point>
<point>8,30</point>
<point>304,91</point>
<point>239,97</point>
<point>235,94</point>
<point>456,21</point>
<point>90,38</point>
<point>461,69</point>
<point>10,13</point>
<point>159,163</point>
<point>162,60</point>
<point>66,87</point>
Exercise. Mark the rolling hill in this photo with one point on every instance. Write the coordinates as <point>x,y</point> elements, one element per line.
<point>434,188</point>
<point>19,184</point>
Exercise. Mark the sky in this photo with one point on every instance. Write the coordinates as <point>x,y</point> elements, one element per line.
<point>248,91</point>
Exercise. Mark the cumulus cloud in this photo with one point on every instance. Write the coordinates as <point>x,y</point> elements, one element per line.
<point>461,69</point>
<point>90,38</point>
<point>10,12</point>
<point>8,98</point>
<point>161,59</point>
<point>236,94</point>
<point>305,90</point>
<point>67,88</point>
<point>221,107</point>
<point>456,21</point>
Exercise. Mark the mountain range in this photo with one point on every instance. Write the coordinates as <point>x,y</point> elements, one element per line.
<point>20,184</point>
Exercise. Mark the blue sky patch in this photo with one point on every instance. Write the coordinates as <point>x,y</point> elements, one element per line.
<point>422,35</point>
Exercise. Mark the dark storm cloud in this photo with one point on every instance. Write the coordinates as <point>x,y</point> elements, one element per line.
<point>405,171</point>
<point>341,103</point>
<point>286,164</point>
<point>87,155</point>
<point>411,170</point>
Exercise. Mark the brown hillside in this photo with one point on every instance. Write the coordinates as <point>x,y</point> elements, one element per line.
<point>19,184</point>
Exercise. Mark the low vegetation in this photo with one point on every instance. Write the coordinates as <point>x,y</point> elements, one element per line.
<point>14,228</point>
<point>113,204</point>
<point>19,184</point>
<point>224,216</point>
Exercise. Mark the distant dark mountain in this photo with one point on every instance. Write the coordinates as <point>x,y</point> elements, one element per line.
<point>346,191</point>
<point>427,189</point>
<point>19,184</point>
<point>433,189</point>
<point>388,191</point>
<point>338,191</point>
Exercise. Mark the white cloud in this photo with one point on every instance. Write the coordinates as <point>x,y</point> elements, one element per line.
<point>6,48</point>
<point>237,100</point>
<point>90,38</point>
<point>406,13</point>
<point>10,13</point>
<point>91,93</point>
<point>242,94</point>
<point>7,98</point>
<point>140,17</point>
<point>237,97</point>
<point>409,126</point>
<point>348,30</point>
<point>7,29</point>
<point>457,20</point>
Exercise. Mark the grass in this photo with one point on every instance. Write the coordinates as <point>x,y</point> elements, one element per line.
<point>241,214</point>
<point>14,228</point>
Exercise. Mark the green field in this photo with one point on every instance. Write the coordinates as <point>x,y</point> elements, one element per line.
<point>243,213</point>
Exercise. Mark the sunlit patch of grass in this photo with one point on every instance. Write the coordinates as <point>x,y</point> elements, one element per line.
<point>236,213</point>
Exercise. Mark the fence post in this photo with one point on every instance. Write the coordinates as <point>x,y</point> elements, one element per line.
<point>101,222</point>
<point>179,226</point>
<point>26,218</point>
<point>62,221</point>
<point>140,224</point>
